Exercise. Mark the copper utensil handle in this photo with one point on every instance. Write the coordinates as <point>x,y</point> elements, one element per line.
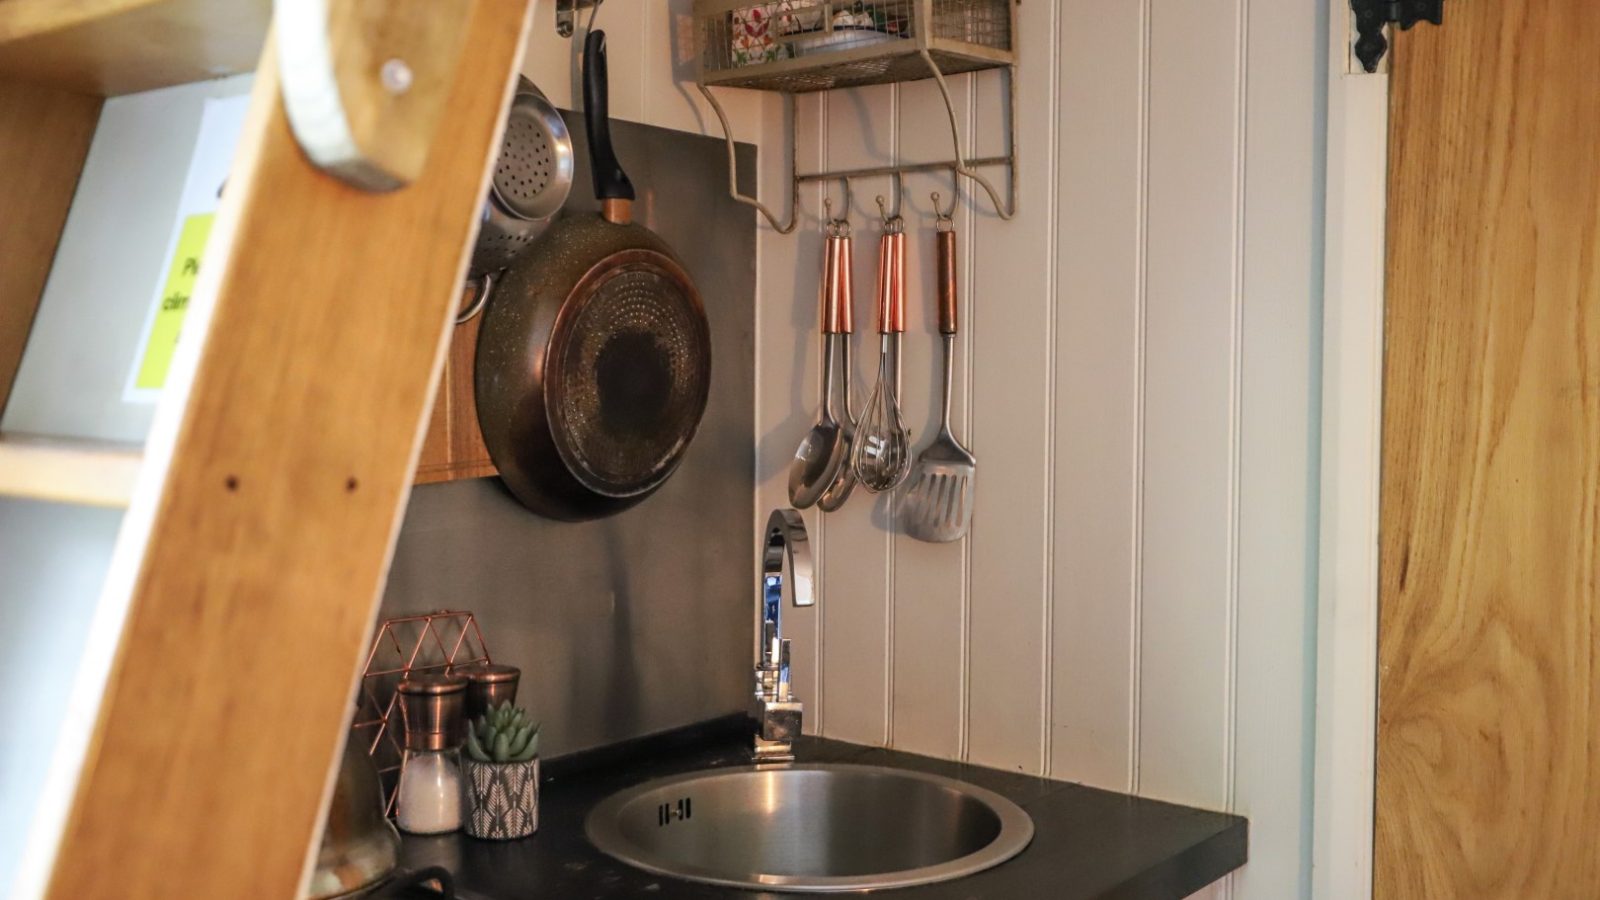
<point>892,283</point>
<point>838,287</point>
<point>947,282</point>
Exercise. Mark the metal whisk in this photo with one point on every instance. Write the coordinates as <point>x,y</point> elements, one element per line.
<point>882,452</point>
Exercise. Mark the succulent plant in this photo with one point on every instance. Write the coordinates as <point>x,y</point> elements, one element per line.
<point>503,735</point>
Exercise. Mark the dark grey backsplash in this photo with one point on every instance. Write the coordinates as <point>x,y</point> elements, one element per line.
<point>641,622</point>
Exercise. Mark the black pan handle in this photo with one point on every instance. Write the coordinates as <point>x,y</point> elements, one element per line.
<point>610,182</point>
<point>420,878</point>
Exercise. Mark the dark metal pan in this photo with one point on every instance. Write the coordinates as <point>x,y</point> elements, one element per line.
<point>594,358</point>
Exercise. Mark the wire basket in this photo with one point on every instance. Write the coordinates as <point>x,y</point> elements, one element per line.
<point>799,46</point>
<point>435,643</point>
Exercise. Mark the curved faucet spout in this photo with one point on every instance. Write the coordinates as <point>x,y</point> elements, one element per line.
<point>785,546</point>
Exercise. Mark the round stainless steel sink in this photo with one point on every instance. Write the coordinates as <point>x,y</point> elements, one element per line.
<point>810,828</point>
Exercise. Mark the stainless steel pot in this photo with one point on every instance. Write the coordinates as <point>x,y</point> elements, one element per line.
<point>360,848</point>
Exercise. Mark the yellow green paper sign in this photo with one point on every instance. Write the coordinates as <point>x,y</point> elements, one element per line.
<point>182,274</point>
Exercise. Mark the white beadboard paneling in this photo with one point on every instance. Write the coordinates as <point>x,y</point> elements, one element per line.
<point>1011,320</point>
<point>930,580</point>
<point>1191,352</point>
<point>1100,298</point>
<point>788,371</point>
<point>628,29</point>
<point>1278,438</point>
<point>669,47</point>
<point>1131,609</point>
<point>856,586</point>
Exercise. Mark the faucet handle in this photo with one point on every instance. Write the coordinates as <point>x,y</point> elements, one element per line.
<point>769,644</point>
<point>783,672</point>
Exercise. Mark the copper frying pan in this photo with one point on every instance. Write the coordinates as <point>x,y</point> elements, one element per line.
<point>594,358</point>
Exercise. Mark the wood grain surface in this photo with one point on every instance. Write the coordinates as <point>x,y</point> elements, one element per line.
<point>1488,767</point>
<point>453,448</point>
<point>88,473</point>
<point>44,138</point>
<point>353,122</point>
<point>111,47</point>
<point>270,541</point>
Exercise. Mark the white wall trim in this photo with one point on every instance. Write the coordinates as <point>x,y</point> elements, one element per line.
<point>1347,626</point>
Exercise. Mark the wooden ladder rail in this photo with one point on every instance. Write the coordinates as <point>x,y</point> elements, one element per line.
<point>248,572</point>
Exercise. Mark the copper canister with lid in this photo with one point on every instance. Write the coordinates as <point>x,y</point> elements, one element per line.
<point>432,708</point>
<point>489,685</point>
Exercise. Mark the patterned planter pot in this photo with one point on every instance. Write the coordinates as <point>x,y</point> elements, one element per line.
<point>502,799</point>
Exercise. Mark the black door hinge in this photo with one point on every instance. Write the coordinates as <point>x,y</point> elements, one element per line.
<point>1373,15</point>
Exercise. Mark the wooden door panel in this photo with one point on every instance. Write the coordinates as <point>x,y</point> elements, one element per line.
<point>1488,780</point>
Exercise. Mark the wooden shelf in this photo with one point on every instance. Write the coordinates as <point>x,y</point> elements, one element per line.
<point>112,47</point>
<point>85,473</point>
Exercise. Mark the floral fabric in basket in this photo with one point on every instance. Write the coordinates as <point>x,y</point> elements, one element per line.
<point>753,40</point>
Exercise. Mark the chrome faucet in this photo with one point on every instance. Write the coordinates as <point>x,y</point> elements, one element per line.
<point>774,707</point>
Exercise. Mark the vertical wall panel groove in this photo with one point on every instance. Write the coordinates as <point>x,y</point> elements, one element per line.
<point>1235,400</point>
<point>928,579</point>
<point>968,284</point>
<point>788,377</point>
<point>1189,389</point>
<point>1096,394</point>
<point>1286,107</point>
<point>890,556</point>
<point>1052,349</point>
<point>1235,410</point>
<point>1142,283</point>
<point>861,130</point>
<point>823,602</point>
<point>1011,396</point>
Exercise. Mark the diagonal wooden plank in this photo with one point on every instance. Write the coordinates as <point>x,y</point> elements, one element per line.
<point>259,547</point>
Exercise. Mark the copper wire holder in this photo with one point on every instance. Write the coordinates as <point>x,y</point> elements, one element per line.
<point>432,643</point>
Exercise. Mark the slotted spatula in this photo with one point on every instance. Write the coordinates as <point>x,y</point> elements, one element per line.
<point>937,504</point>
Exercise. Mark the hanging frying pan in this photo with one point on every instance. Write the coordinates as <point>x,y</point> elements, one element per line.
<point>594,358</point>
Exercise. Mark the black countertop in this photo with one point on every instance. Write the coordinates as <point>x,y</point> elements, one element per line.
<point>1088,844</point>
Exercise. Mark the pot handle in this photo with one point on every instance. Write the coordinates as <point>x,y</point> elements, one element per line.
<point>610,182</point>
<point>419,878</point>
<point>481,288</point>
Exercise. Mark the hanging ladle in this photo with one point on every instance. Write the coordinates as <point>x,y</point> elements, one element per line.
<point>824,452</point>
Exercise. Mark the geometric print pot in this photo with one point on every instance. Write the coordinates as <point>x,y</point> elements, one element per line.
<point>502,799</point>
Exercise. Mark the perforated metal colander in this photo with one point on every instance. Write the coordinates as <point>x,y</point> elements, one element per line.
<point>534,171</point>
<point>532,178</point>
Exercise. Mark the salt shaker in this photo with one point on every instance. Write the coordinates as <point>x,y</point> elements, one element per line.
<point>429,800</point>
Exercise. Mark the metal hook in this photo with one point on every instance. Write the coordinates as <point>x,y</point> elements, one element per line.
<point>838,226</point>
<point>849,200</point>
<point>946,221</point>
<point>899,196</point>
